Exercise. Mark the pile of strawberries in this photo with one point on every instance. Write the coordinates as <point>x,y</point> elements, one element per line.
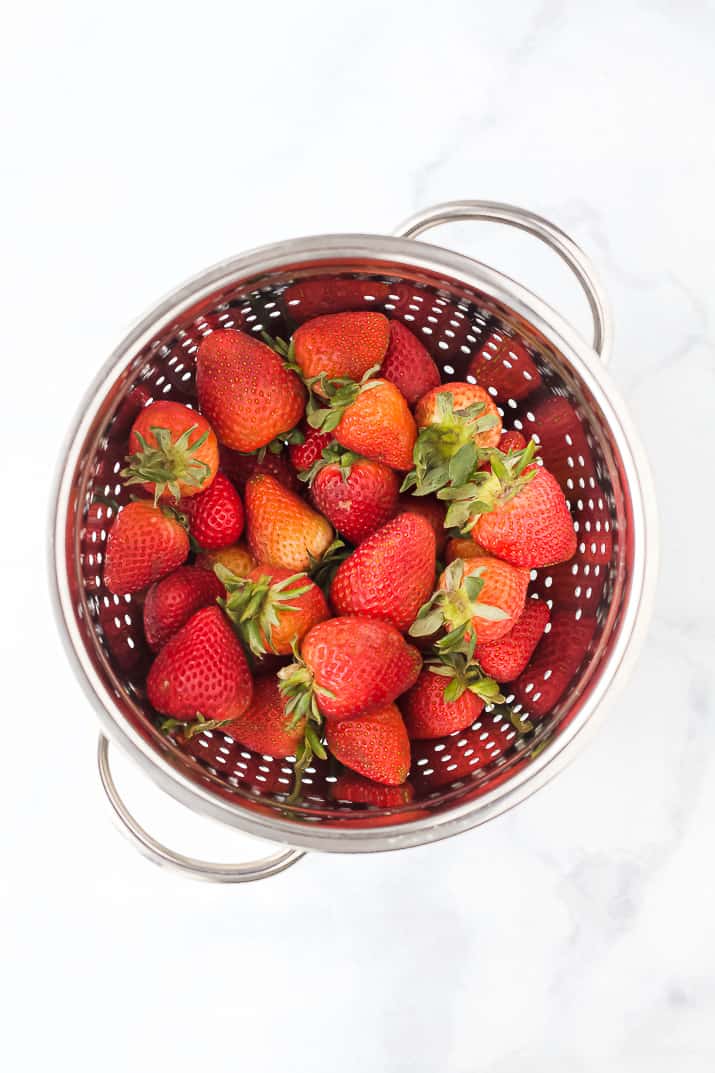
<point>336,549</point>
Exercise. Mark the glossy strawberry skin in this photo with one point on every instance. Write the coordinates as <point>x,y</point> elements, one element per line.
<point>408,364</point>
<point>504,587</point>
<point>236,558</point>
<point>240,468</point>
<point>304,455</point>
<point>263,726</point>
<point>463,396</point>
<point>341,344</point>
<point>365,663</point>
<point>245,391</point>
<point>375,746</point>
<point>463,548</point>
<point>282,529</point>
<point>428,715</point>
<point>532,529</point>
<point>201,670</point>
<point>507,657</point>
<point>143,546</point>
<point>357,504</point>
<point>390,575</point>
<point>431,510</point>
<point>172,601</point>
<point>511,440</point>
<point>361,791</point>
<point>177,419</point>
<point>505,365</point>
<point>380,426</point>
<point>310,609</point>
<point>216,516</point>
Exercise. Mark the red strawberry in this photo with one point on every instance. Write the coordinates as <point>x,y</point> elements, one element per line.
<point>350,666</point>
<point>554,663</point>
<point>304,455</point>
<point>356,494</point>
<point>282,529</point>
<point>201,671</point>
<point>262,727</point>
<point>143,545</point>
<point>428,713</point>
<point>390,575</point>
<point>511,440</point>
<point>529,524</point>
<point>237,559</point>
<point>431,510</point>
<point>506,658</point>
<point>273,608</point>
<point>341,345</point>
<point>505,365</point>
<point>216,515</point>
<point>463,548</point>
<point>370,419</point>
<point>463,396</point>
<point>240,468</point>
<point>408,364</point>
<point>172,601</point>
<point>245,390</point>
<point>314,297</point>
<point>375,746</point>
<point>463,753</point>
<point>173,451</point>
<point>360,791</point>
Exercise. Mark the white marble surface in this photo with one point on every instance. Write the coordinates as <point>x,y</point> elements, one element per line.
<point>573,934</point>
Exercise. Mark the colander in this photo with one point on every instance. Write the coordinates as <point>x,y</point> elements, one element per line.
<point>545,379</point>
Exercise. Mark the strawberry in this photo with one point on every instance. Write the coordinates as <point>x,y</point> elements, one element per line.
<point>464,753</point>
<point>505,365</point>
<point>262,727</point>
<point>390,575</point>
<point>245,390</point>
<point>477,598</point>
<point>216,515</point>
<point>360,791</point>
<point>201,671</point>
<point>272,609</point>
<point>237,559</point>
<point>429,712</point>
<point>314,297</point>
<point>506,658</point>
<point>173,451</point>
<point>340,345</point>
<point>370,418</point>
<point>431,510</point>
<point>375,746</point>
<point>408,364</point>
<point>172,601</point>
<point>240,468</point>
<point>349,666</point>
<point>143,545</point>
<point>463,548</point>
<point>511,440</point>
<point>304,455</point>
<point>554,663</point>
<point>282,529</point>
<point>356,494</point>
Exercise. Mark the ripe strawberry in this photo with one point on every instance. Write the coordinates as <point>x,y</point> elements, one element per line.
<point>272,608</point>
<point>429,713</point>
<point>340,345</point>
<point>314,297</point>
<point>245,390</point>
<point>370,419</point>
<point>304,455</point>
<point>390,575</point>
<point>143,545</point>
<point>216,515</point>
<point>479,597</point>
<point>173,600</point>
<point>375,746</point>
<point>431,510</point>
<point>282,529</point>
<point>360,791</point>
<point>505,365</point>
<point>237,559</point>
<point>463,548</point>
<point>348,667</point>
<point>240,468</point>
<point>511,440</point>
<point>506,658</point>
<point>263,726</point>
<point>408,364</point>
<point>356,494</point>
<point>554,663</point>
<point>451,422</point>
<point>201,671</point>
<point>173,451</point>
<point>464,753</point>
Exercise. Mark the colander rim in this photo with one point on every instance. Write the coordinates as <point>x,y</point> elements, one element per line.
<point>404,253</point>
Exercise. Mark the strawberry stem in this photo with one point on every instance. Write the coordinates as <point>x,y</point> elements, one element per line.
<point>167,462</point>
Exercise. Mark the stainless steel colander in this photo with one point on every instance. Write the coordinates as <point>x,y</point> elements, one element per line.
<point>546,380</point>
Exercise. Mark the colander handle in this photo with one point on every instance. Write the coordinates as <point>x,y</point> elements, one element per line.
<point>160,854</point>
<point>553,236</point>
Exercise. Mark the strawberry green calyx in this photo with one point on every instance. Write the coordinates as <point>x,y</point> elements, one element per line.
<point>453,608</point>
<point>446,451</point>
<point>487,490</point>
<point>188,730</point>
<point>322,571</point>
<point>255,607</point>
<point>464,673</point>
<point>279,443</point>
<point>332,455</point>
<point>167,463</point>
<point>285,351</point>
<point>338,393</point>
<point>300,694</point>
